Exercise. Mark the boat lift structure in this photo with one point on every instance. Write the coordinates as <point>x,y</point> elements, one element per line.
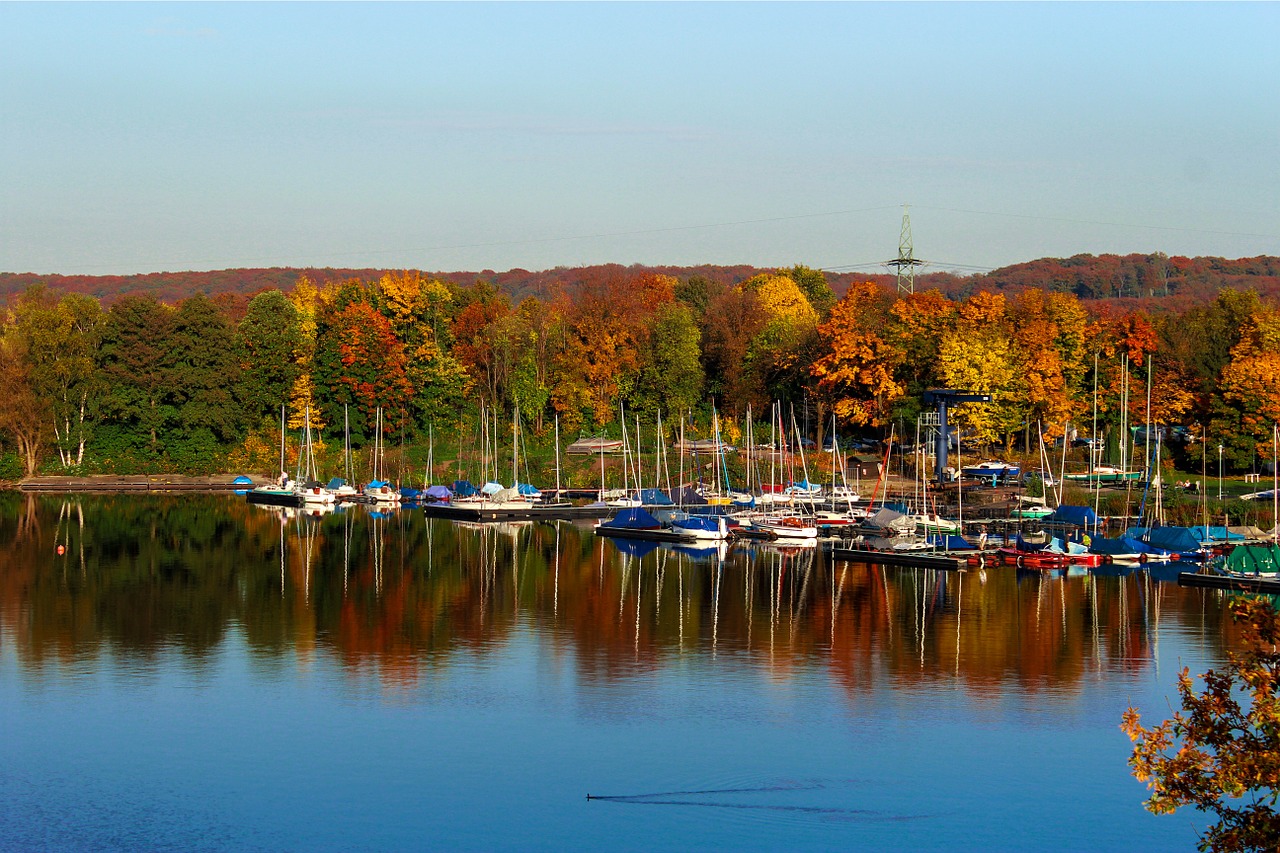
<point>944,397</point>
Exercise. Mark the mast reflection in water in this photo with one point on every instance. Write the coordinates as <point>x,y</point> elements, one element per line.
<point>193,672</point>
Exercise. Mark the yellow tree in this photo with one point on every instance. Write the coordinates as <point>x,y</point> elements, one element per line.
<point>979,355</point>
<point>1249,405</point>
<point>781,353</point>
<point>307,298</point>
<point>1049,335</point>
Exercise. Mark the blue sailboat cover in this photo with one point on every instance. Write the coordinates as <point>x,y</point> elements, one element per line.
<point>1119,545</point>
<point>437,493</point>
<point>1179,539</point>
<point>699,522</point>
<point>688,496</point>
<point>655,497</point>
<point>464,488</point>
<point>1215,534</point>
<point>950,542</point>
<point>632,518</point>
<point>1081,516</point>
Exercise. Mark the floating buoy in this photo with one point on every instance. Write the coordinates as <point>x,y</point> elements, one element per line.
<point>61,550</point>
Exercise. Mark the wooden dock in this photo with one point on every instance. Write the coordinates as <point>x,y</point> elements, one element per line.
<point>553,512</point>
<point>916,559</point>
<point>1270,586</point>
<point>134,483</point>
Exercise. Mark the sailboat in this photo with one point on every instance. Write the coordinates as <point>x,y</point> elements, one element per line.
<point>313,493</point>
<point>283,493</point>
<point>379,490</point>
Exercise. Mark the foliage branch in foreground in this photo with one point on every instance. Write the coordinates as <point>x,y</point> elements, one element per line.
<point>1217,754</point>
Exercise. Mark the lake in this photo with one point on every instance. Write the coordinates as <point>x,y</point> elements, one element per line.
<point>193,673</point>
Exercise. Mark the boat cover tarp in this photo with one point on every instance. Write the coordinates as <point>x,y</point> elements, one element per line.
<point>528,490</point>
<point>632,518</point>
<point>242,480</point>
<point>897,506</point>
<point>1248,531</point>
<point>1178,539</point>
<point>437,493</point>
<point>1033,541</point>
<point>688,496</point>
<point>709,523</point>
<point>1254,559</point>
<point>655,497</point>
<point>503,495</point>
<point>491,488</point>
<point>335,484</point>
<point>884,518</point>
<point>410,494</point>
<point>377,484</point>
<point>1119,545</point>
<point>464,488</point>
<point>949,542</point>
<point>1215,534</point>
<point>1080,516</point>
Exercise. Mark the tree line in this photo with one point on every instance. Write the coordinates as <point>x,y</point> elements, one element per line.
<point>196,385</point>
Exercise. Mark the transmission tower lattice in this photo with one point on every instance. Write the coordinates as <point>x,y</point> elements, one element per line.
<point>905,264</point>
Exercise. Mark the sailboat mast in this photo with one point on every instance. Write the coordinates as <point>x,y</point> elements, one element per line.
<point>282,468</point>
<point>557,456</point>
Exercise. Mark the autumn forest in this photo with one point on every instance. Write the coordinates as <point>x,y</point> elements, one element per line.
<point>112,378</point>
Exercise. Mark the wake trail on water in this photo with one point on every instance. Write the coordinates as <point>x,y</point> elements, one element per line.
<point>663,799</point>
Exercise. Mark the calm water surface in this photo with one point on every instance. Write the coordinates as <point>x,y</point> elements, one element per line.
<point>194,673</point>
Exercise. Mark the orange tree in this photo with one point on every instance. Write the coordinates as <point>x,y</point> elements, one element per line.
<point>1221,752</point>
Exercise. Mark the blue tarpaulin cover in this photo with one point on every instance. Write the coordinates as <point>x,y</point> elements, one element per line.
<point>950,543</point>
<point>633,518</point>
<point>655,497</point>
<point>437,493</point>
<point>688,496</point>
<point>1119,545</point>
<point>464,488</point>
<point>1081,516</point>
<point>1179,539</point>
<point>1215,534</point>
<point>699,522</point>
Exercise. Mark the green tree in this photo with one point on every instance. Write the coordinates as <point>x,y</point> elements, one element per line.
<point>202,371</point>
<point>133,364</point>
<point>271,344</point>
<point>670,376</point>
<point>1221,752</point>
<point>813,284</point>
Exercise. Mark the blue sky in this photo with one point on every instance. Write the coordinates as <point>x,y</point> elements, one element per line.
<point>151,136</point>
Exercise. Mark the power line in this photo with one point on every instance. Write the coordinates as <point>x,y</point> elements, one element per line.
<point>1102,223</point>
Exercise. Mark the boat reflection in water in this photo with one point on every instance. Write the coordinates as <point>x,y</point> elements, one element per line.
<point>531,660</point>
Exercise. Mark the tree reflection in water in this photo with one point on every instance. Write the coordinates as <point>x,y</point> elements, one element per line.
<point>397,595</point>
